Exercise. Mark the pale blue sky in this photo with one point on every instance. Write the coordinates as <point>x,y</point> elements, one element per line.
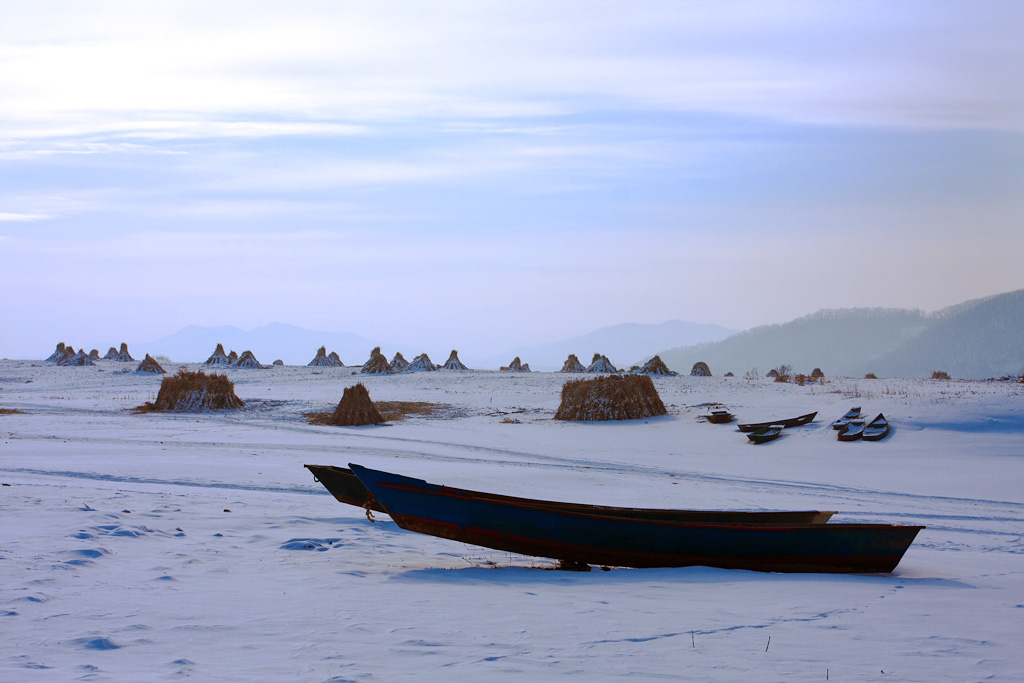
<point>484,175</point>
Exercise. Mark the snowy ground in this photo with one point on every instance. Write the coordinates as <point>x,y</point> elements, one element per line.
<point>162,547</point>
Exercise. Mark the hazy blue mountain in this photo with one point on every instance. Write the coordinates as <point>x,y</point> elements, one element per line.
<point>293,345</point>
<point>974,340</point>
<point>625,345</point>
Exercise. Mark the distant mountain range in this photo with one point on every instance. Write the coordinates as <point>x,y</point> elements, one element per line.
<point>974,340</point>
<point>293,345</point>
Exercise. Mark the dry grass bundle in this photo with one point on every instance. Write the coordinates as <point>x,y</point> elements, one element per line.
<point>248,360</point>
<point>700,369</point>
<point>149,364</point>
<point>218,357</point>
<point>600,363</point>
<point>516,366</point>
<point>123,354</point>
<point>656,366</point>
<point>320,360</point>
<point>193,392</point>
<point>94,354</point>
<point>421,363</point>
<point>816,373</point>
<point>940,374</point>
<point>573,364</point>
<point>377,364</point>
<point>355,409</point>
<point>613,397</point>
<point>453,362</point>
<point>399,363</point>
<point>111,354</point>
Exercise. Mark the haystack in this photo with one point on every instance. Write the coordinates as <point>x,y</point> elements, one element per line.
<point>149,364</point>
<point>573,364</point>
<point>700,369</point>
<point>59,354</point>
<point>278,362</point>
<point>601,364</point>
<point>218,357</point>
<point>421,363</point>
<point>111,354</point>
<point>123,354</point>
<point>72,358</point>
<point>613,397</point>
<point>320,360</point>
<point>656,366</point>
<point>248,360</point>
<point>516,366</point>
<point>233,357</point>
<point>453,362</point>
<point>335,360</point>
<point>355,409</point>
<point>399,363</point>
<point>816,373</point>
<point>94,354</point>
<point>377,365</point>
<point>195,392</point>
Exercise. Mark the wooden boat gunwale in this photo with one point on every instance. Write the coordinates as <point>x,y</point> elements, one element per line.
<point>346,487</point>
<point>798,421</point>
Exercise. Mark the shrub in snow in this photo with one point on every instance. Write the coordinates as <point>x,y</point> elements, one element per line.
<point>613,397</point>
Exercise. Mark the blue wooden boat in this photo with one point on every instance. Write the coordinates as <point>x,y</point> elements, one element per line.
<point>577,538</point>
<point>345,486</point>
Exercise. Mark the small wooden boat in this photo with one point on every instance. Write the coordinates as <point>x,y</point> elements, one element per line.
<point>853,430</point>
<point>851,414</point>
<point>765,434</point>
<point>877,429</point>
<point>719,417</point>
<point>577,538</point>
<point>345,486</point>
<point>790,422</point>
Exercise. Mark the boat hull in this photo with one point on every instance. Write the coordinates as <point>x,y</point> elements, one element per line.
<point>590,539</point>
<point>791,422</point>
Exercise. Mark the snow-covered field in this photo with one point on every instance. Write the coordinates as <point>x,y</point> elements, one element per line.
<point>163,547</point>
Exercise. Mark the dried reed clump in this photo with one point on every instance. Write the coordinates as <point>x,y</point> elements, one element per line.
<point>573,364</point>
<point>516,366</point>
<point>656,366</point>
<point>218,357</point>
<point>611,397</point>
<point>149,364</point>
<point>940,374</point>
<point>871,375</point>
<point>399,363</point>
<point>453,362</point>
<point>816,373</point>
<point>194,392</point>
<point>600,363</point>
<point>700,369</point>
<point>377,364</point>
<point>355,409</point>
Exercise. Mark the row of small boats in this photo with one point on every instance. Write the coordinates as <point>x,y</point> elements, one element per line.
<point>853,426</point>
<point>579,535</point>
